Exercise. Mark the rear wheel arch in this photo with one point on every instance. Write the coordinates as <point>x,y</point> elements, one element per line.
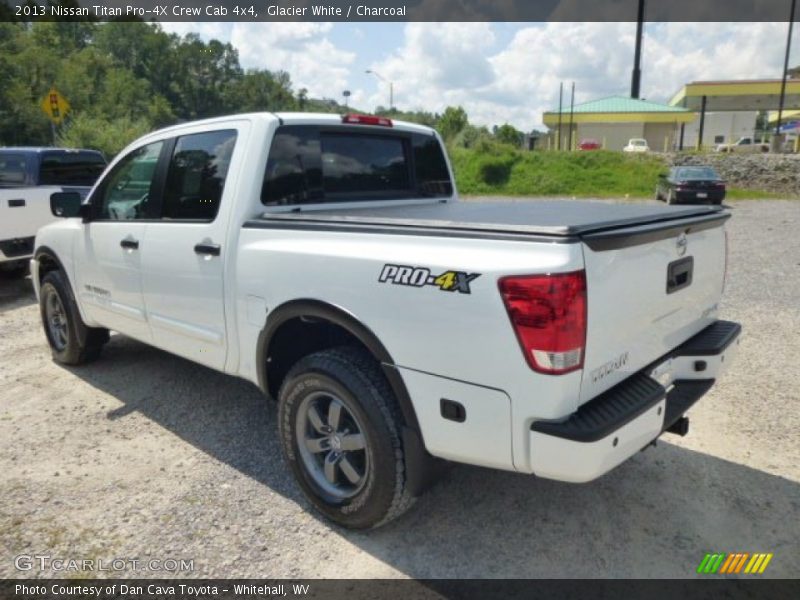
<point>300,327</point>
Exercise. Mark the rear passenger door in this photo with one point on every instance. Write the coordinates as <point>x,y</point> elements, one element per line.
<point>183,254</point>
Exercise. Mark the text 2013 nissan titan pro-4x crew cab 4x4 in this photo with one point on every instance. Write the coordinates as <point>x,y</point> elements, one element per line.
<point>328,260</point>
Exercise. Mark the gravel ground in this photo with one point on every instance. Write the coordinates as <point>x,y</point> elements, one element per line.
<point>145,455</point>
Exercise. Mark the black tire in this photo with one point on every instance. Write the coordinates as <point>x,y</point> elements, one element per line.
<point>658,193</point>
<point>352,378</point>
<point>71,341</point>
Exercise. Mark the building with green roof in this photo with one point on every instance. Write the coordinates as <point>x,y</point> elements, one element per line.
<point>614,120</point>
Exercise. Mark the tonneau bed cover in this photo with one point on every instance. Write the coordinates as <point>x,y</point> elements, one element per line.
<point>557,218</point>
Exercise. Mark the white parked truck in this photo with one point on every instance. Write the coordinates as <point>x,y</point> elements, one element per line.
<point>328,260</point>
<point>28,176</point>
<point>743,145</point>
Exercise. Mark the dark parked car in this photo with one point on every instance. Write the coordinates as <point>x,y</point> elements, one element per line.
<point>691,184</point>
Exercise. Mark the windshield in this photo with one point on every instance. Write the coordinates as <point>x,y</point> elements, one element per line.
<point>638,143</point>
<point>12,169</point>
<point>71,168</point>
<point>694,173</point>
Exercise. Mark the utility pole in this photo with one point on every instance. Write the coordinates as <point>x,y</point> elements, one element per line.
<point>785,69</point>
<point>560,103</point>
<point>391,86</point>
<point>636,77</point>
<point>571,112</point>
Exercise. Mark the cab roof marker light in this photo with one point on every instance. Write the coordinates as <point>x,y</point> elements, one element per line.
<point>352,119</point>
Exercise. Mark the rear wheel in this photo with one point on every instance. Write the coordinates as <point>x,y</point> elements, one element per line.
<point>340,430</point>
<point>71,341</point>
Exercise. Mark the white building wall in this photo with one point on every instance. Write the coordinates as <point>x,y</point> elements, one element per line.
<point>614,136</point>
<point>720,128</point>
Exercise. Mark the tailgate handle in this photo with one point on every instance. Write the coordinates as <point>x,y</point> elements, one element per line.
<point>16,203</point>
<point>679,274</point>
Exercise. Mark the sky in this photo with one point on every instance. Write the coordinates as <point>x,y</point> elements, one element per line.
<point>499,72</point>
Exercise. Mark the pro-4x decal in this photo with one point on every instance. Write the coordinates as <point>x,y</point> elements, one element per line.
<point>449,281</point>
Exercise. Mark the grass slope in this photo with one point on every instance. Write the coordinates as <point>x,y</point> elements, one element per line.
<point>502,170</point>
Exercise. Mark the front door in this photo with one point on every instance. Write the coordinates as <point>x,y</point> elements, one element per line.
<point>109,254</point>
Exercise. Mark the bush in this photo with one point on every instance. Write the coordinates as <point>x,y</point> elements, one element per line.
<point>496,169</point>
<point>99,133</point>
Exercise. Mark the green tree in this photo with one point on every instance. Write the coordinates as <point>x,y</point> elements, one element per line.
<point>261,90</point>
<point>452,121</point>
<point>101,133</point>
<point>204,73</point>
<point>508,134</point>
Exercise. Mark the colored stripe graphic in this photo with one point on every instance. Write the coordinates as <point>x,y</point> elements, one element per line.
<point>765,563</point>
<point>727,564</point>
<point>701,567</point>
<point>734,563</point>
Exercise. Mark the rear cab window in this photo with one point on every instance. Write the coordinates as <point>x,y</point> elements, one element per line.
<point>80,169</point>
<point>311,164</point>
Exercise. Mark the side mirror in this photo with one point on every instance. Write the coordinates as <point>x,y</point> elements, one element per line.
<point>65,204</point>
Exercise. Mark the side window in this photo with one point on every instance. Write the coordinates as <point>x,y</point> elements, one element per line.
<point>196,175</point>
<point>125,193</point>
<point>70,168</point>
<point>13,169</point>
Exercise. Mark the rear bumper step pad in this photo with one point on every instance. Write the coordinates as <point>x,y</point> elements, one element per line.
<point>713,340</point>
<point>608,412</point>
<point>627,400</point>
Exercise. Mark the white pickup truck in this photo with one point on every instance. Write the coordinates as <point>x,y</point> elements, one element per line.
<point>328,260</point>
<point>744,145</point>
<point>28,176</point>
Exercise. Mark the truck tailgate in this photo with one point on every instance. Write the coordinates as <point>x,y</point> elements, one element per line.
<point>649,289</point>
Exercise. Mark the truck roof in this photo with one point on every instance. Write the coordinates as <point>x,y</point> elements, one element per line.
<point>40,149</point>
<point>292,118</point>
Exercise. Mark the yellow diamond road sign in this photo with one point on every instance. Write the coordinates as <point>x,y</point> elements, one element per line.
<point>55,106</point>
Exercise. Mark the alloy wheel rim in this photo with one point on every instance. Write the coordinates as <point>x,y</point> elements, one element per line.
<point>56,321</point>
<point>332,445</point>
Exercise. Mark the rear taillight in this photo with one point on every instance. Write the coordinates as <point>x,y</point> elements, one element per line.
<point>367,120</point>
<point>548,313</point>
